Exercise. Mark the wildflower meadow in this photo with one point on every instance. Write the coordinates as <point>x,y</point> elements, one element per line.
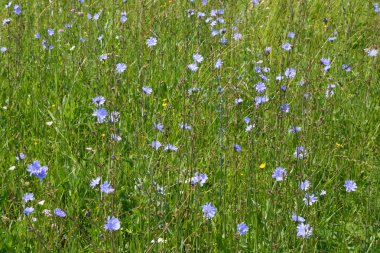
<point>190,126</point>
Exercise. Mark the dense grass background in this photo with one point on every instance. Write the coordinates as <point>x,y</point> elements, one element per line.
<point>341,133</point>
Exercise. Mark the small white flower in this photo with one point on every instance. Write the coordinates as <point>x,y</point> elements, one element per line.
<point>47,212</point>
<point>159,240</point>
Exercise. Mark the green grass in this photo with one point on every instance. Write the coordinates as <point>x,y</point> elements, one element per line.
<point>58,85</point>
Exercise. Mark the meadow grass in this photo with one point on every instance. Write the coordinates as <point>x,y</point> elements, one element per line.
<point>46,98</point>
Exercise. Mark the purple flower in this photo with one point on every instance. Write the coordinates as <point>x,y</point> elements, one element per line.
<point>103,57</point>
<point>305,185</point>
<point>290,73</point>
<point>346,67</point>
<point>268,49</point>
<point>376,6</point>
<point>170,147</point>
<point>191,90</point>
<point>3,49</point>
<point>250,127</point>
<point>193,67</point>
<point>304,231</point>
<point>37,170</point>
<point>201,14</point>
<point>208,210</point>
<point>238,101</point>
<point>264,78</point>
<point>20,156</point>
<point>152,41</point>
<point>294,129</point>
<point>121,67</point>
<point>350,186</point>
<point>99,100</point>
<point>37,35</point>
<point>101,114</point>
<point>96,16</point>
<point>159,127</point>
<point>247,120</point>
<point>279,174</point>
<point>223,41</point>
<point>123,19</point>
<point>279,77</point>
<point>197,58</point>
<point>214,32</point>
<point>237,147</point>
<point>298,218</point>
<point>59,212</point>
<point>190,12</point>
<point>261,100</point>
<point>112,224</point>
<point>327,68</point>
<point>116,137</point>
<point>106,188</point>
<point>28,210</point>
<point>257,69</point>
<point>330,90</point>
<point>242,228</point>
<point>238,36</point>
<point>309,199</point>
<point>156,145</point>
<point>285,108</point>
<point>291,35</point>
<point>372,52</point>
<point>260,87</point>
<point>218,64</point>
<point>300,152</point>
<point>199,178</point>
<point>6,21</point>
<point>28,197</point>
<point>50,32</point>
<point>185,126</point>
<point>17,9</point>
<point>287,46</point>
<point>147,90</point>
<point>94,182</point>
<point>325,61</point>
<point>114,116</point>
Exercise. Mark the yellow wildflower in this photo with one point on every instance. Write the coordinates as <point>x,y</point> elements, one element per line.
<point>164,104</point>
